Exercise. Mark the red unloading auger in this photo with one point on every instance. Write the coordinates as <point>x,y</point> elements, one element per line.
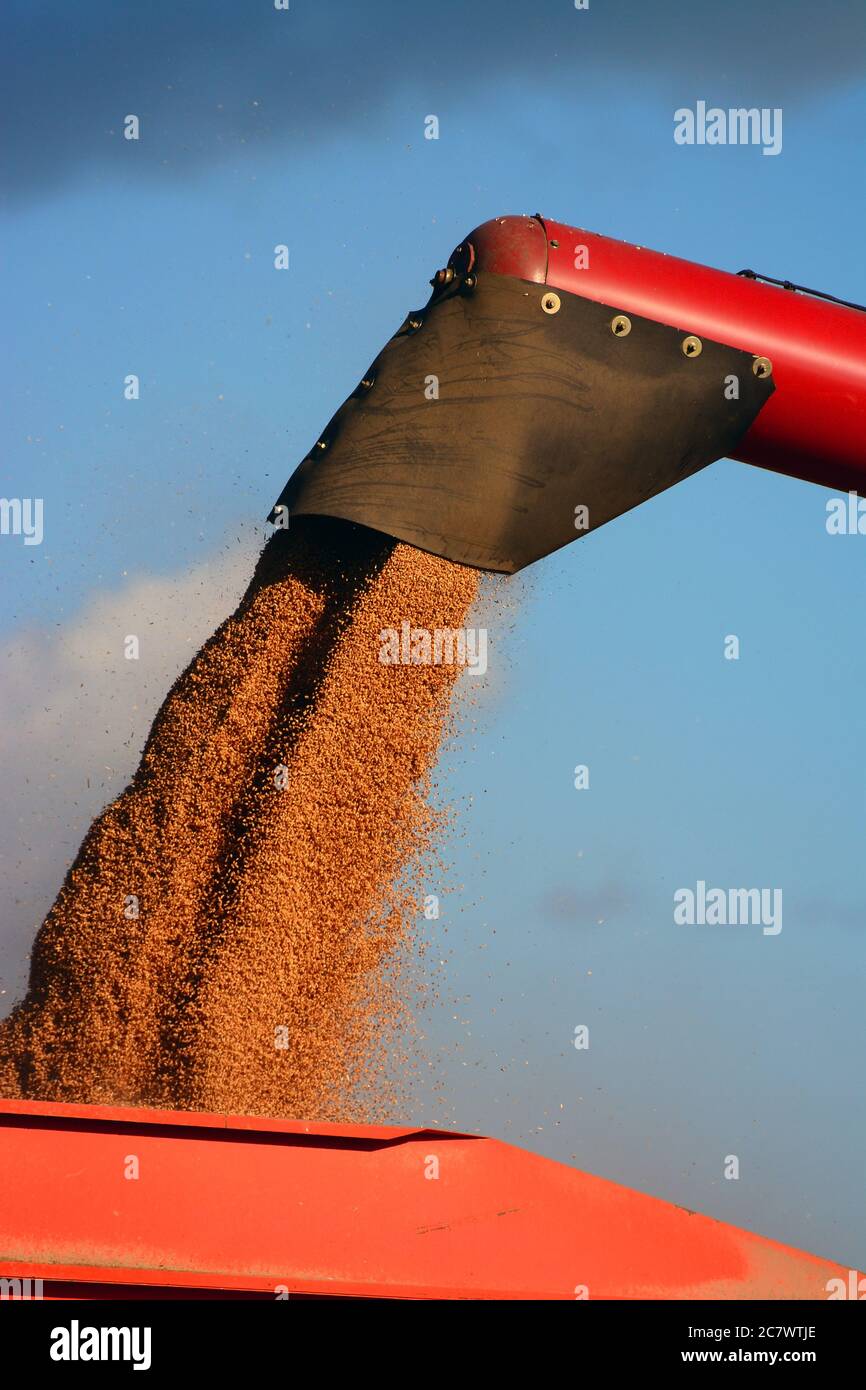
<point>557,378</point>
<point>814,425</point>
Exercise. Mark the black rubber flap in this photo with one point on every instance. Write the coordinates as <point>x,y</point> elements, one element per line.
<point>491,425</point>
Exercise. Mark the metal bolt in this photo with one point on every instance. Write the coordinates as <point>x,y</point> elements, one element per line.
<point>469,283</point>
<point>367,382</point>
<point>692,346</point>
<point>762,366</point>
<point>554,243</point>
<point>551,303</point>
<point>443,277</point>
<point>620,325</point>
<point>321,444</point>
<point>415,324</point>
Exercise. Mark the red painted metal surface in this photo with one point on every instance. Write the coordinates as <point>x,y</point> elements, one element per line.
<point>813,426</point>
<point>239,1207</point>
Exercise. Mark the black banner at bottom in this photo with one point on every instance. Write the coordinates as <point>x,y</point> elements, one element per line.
<point>156,1338</point>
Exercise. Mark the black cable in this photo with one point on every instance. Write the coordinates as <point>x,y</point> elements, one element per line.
<point>789,285</point>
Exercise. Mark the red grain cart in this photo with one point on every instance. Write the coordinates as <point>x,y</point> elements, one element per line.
<point>102,1203</point>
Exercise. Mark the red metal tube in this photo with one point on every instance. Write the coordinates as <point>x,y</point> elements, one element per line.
<point>814,425</point>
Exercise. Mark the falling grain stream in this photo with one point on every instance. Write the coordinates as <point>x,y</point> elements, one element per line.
<point>264,843</point>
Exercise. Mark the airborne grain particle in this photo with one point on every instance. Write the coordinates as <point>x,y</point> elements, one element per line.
<point>264,842</point>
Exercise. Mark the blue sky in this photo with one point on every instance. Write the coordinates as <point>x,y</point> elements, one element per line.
<point>157,258</point>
